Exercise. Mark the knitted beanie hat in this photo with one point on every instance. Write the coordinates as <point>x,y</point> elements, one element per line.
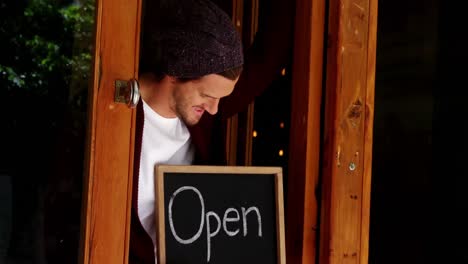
<point>193,38</point>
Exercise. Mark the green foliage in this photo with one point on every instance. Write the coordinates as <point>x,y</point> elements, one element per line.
<point>46,47</point>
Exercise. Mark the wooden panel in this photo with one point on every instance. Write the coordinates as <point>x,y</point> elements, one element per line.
<point>302,205</point>
<point>246,118</point>
<point>348,131</point>
<point>231,140</point>
<point>108,185</point>
<point>249,36</point>
<point>368,130</point>
<point>248,135</point>
<point>232,122</point>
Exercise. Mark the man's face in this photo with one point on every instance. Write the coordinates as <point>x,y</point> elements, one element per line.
<point>191,99</point>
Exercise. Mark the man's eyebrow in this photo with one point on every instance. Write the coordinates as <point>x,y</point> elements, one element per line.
<point>207,95</point>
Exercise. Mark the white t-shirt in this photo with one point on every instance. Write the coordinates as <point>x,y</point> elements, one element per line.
<point>165,141</point>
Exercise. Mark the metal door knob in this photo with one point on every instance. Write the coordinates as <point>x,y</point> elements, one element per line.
<point>127,92</point>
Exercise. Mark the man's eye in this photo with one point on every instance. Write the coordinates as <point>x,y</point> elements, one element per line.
<point>207,96</point>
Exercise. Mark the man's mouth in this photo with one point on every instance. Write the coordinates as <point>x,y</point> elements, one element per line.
<point>198,110</point>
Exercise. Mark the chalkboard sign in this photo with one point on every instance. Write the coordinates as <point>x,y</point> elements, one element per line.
<point>219,214</point>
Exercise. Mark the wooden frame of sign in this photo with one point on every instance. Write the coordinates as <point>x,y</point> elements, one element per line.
<point>235,240</point>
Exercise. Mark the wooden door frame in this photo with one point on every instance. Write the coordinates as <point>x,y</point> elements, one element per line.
<point>108,181</point>
<point>107,191</point>
<point>330,173</point>
<point>303,180</point>
<point>347,143</point>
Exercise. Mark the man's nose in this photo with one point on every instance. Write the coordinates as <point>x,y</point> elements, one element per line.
<point>212,106</point>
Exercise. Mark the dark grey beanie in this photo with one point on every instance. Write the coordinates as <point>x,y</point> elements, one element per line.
<point>192,38</point>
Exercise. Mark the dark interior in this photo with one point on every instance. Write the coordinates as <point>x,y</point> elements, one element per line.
<point>419,135</point>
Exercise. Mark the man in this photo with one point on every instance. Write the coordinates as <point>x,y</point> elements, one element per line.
<point>191,60</point>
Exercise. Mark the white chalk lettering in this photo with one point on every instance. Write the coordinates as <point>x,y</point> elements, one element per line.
<point>245,213</point>
<point>210,235</point>
<point>230,219</point>
<point>231,215</point>
<point>171,223</point>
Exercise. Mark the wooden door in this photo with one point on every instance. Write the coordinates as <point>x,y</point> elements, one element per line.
<point>107,203</point>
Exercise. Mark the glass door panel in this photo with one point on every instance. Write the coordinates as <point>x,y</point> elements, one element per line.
<point>45,70</point>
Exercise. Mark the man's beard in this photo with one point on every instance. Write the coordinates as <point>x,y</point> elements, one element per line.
<point>181,112</point>
<point>183,108</point>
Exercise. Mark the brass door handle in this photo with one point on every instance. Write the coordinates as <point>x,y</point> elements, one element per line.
<point>127,92</point>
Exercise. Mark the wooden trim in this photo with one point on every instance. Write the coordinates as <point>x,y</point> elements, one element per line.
<point>90,143</point>
<point>108,181</point>
<point>348,131</point>
<point>160,224</point>
<point>249,134</point>
<point>368,130</point>
<point>249,114</point>
<point>238,14</point>
<point>131,157</point>
<point>233,122</point>
<point>281,243</point>
<point>240,126</point>
<point>219,169</point>
<point>231,140</point>
<point>302,206</point>
<point>254,8</point>
<point>160,209</point>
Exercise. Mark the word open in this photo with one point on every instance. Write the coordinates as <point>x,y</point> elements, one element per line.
<point>231,215</point>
